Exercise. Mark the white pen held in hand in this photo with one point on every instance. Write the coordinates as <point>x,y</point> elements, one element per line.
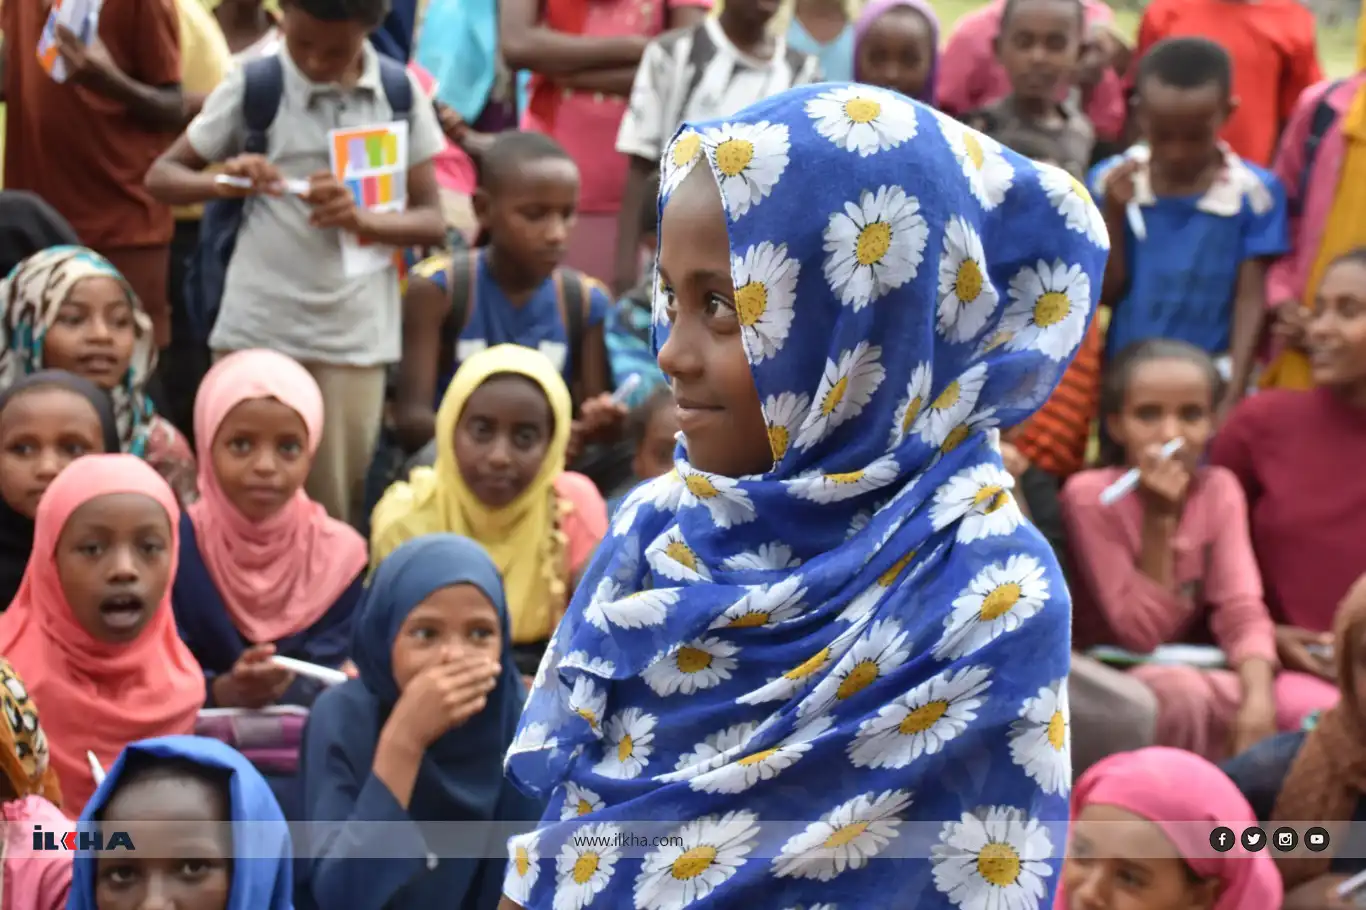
<point>312,671</point>
<point>96,769</point>
<point>294,185</point>
<point>624,390</point>
<point>1136,223</point>
<point>1129,482</point>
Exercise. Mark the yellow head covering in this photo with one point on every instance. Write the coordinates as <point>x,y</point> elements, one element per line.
<point>522,537</point>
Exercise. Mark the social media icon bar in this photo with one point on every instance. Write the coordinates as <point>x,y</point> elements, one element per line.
<point>1316,839</point>
<point>1221,839</point>
<point>1254,839</point>
<point>1285,839</point>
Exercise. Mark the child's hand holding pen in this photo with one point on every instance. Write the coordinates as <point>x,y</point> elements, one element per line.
<point>248,175</point>
<point>334,206</point>
<point>1162,481</point>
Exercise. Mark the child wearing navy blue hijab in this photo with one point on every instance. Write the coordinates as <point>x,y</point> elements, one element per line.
<point>206,830</point>
<point>418,737</point>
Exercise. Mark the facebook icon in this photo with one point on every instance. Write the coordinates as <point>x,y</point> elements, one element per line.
<point>1221,839</point>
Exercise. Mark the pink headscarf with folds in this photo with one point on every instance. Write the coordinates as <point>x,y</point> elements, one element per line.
<point>279,576</point>
<point>1173,788</point>
<point>97,696</point>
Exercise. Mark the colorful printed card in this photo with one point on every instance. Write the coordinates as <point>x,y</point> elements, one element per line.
<point>372,161</point>
<point>82,17</point>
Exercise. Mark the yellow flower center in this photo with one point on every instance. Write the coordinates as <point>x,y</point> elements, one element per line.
<point>999,865</point>
<point>886,579</point>
<point>810,665</point>
<point>873,243</point>
<point>845,835</point>
<point>733,156</point>
<point>996,341</point>
<point>968,284</point>
<point>1079,189</point>
<point>834,396</point>
<point>583,807</point>
<point>862,110</point>
<point>986,497</point>
<point>686,149</point>
<point>701,487</point>
<point>912,412</point>
<point>922,718</point>
<point>757,757</point>
<point>1050,309</point>
<point>749,620</point>
<point>778,440</point>
<point>682,554</point>
<point>973,147</point>
<point>750,302</point>
<point>862,676</point>
<point>947,398</point>
<point>694,862</point>
<point>584,867</point>
<point>588,716</point>
<point>1057,731</point>
<point>954,439</point>
<point>846,477</point>
<point>692,660</point>
<point>523,861</point>
<point>1000,601</point>
<point>625,748</point>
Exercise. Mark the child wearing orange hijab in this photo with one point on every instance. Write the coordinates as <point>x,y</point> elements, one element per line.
<point>91,630</point>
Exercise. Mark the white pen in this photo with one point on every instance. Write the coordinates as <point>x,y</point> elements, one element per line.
<point>1126,484</point>
<point>312,671</point>
<point>96,769</point>
<point>1136,224</point>
<point>294,185</point>
<point>624,391</point>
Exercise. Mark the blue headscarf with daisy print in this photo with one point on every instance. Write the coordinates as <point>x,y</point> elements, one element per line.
<point>838,684</point>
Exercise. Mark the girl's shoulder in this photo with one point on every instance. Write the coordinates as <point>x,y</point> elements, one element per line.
<point>578,491</point>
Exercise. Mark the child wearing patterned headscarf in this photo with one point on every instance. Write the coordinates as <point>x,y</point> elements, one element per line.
<point>68,308</point>
<point>832,611</point>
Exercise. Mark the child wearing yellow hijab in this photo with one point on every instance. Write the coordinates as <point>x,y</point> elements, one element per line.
<point>499,479</point>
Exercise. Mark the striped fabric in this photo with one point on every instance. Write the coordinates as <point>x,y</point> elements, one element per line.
<point>1055,438</point>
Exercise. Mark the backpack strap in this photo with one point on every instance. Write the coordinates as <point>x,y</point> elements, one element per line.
<point>264,86</point>
<point>1324,116</point>
<point>461,281</point>
<point>572,297</point>
<point>398,90</point>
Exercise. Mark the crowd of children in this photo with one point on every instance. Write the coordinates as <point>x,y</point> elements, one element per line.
<point>224,442</point>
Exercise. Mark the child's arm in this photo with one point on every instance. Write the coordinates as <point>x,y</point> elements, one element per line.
<point>614,81</point>
<point>642,138</point>
<point>1265,238</point>
<point>146,36</point>
<point>528,44</point>
<point>425,307</point>
<point>1112,183</point>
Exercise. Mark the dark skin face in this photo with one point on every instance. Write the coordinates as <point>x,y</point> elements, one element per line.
<point>325,52</point>
<point>260,456</point>
<point>502,437</point>
<point>41,432</point>
<point>114,561</point>
<point>529,213</point>
<point>94,333</point>
<point>896,52</point>
<point>752,14</point>
<point>718,407</point>
<point>1165,399</point>
<point>1039,46</point>
<point>1121,861</point>
<point>1181,126</point>
<point>183,856</point>
<point>1336,334</point>
<point>452,625</point>
<point>655,454</point>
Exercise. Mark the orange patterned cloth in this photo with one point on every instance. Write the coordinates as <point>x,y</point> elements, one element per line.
<point>1055,438</point>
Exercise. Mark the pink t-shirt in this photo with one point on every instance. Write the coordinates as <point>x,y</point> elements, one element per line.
<point>33,881</point>
<point>586,525</point>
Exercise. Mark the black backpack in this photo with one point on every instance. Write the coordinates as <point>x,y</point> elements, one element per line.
<point>264,86</point>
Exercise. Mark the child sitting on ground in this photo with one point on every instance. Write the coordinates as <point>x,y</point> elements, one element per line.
<point>654,432</point>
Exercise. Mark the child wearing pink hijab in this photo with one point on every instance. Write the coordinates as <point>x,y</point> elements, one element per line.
<point>263,569</point>
<point>1140,830</point>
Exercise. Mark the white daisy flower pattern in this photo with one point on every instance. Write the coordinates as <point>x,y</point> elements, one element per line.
<point>1041,740</point>
<point>600,667</point>
<point>866,602</point>
<point>859,118</point>
<point>764,605</point>
<point>844,391</point>
<point>845,838</point>
<point>744,772</point>
<point>680,158</point>
<point>524,867</point>
<point>663,492</point>
<point>874,246</point>
<point>874,654</point>
<point>838,487</point>
<point>979,499</point>
<point>922,721</point>
<point>982,160</point>
<point>799,677</point>
<point>589,701</point>
<point>723,497</point>
<point>585,865</point>
<point>978,420</point>
<point>1048,309</point>
<point>767,557</point>
<point>917,396</point>
<point>858,523</point>
<point>579,801</point>
<point>748,159</point>
<point>999,600</point>
<point>1073,201</point>
<point>702,857</point>
<point>633,611</point>
<point>954,403</point>
<point>784,414</point>
<point>993,858</point>
<point>671,557</point>
<point>765,281</point>
<point>532,738</point>
<point>967,297</point>
<point>630,736</point>
<point>699,664</point>
<point>713,752</point>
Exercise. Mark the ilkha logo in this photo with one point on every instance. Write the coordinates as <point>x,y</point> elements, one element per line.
<point>95,840</point>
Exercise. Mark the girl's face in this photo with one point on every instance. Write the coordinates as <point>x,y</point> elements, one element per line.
<point>41,432</point>
<point>1122,861</point>
<point>1166,398</point>
<point>655,454</point>
<point>896,51</point>
<point>183,860</point>
<point>1336,334</point>
<point>260,456</point>
<point>94,332</point>
<point>114,561</point>
<point>502,437</point>
<point>717,406</point>
<point>457,624</point>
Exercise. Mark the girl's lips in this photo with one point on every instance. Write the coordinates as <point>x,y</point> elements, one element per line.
<point>693,416</point>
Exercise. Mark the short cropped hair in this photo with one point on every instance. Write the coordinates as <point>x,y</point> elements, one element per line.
<point>1187,63</point>
<point>369,13</point>
<point>513,149</point>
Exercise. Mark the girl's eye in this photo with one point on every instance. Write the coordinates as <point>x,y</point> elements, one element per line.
<point>119,875</point>
<point>194,868</point>
<point>239,445</point>
<point>22,449</point>
<point>90,549</point>
<point>719,306</point>
<point>423,633</point>
<point>76,449</point>
<point>480,634</point>
<point>291,449</point>
<point>670,304</point>
<point>151,546</point>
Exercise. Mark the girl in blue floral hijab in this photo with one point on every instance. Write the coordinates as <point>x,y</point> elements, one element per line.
<point>824,658</point>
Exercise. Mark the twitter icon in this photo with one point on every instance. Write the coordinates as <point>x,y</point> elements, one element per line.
<point>1254,839</point>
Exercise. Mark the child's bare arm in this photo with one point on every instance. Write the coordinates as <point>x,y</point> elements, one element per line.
<point>1249,311</point>
<point>178,177</point>
<point>425,307</point>
<point>527,44</point>
<point>418,225</point>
